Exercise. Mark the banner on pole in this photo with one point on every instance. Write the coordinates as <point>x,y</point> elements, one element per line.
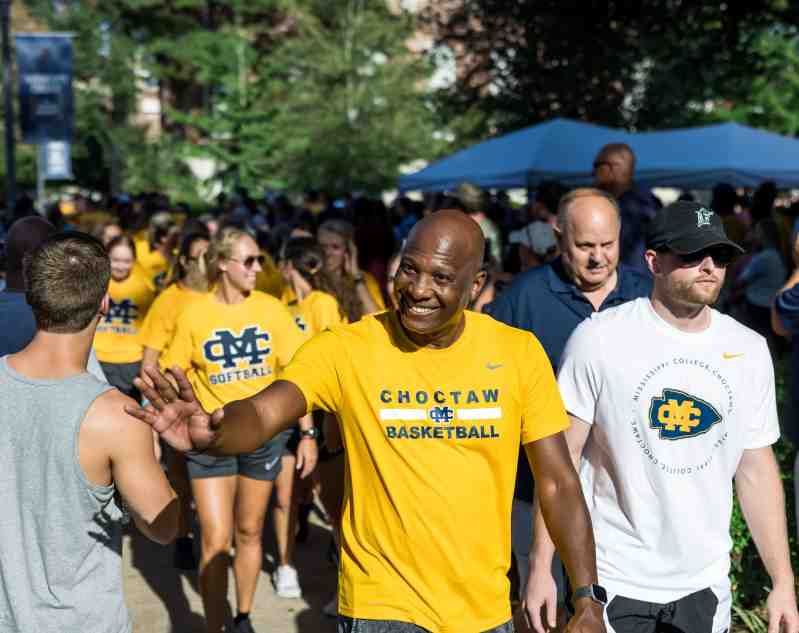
<point>46,102</point>
<point>55,160</point>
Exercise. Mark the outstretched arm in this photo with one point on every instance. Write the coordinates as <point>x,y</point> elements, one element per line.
<point>564,515</point>
<point>239,427</point>
<point>760,492</point>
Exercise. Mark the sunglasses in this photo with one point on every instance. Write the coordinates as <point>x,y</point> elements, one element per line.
<point>721,257</point>
<point>249,262</point>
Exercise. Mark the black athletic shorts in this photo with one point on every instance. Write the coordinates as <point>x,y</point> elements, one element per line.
<point>263,464</point>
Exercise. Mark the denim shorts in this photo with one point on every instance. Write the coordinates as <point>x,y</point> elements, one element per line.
<point>357,625</point>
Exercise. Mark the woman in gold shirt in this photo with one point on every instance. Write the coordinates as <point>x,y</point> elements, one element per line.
<point>130,295</point>
<point>313,305</point>
<point>232,342</point>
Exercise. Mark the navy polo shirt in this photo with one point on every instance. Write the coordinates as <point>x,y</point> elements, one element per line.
<point>546,302</point>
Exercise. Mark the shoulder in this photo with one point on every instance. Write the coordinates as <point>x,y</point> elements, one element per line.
<point>321,299</point>
<point>257,297</point>
<point>616,320</point>
<point>502,335</point>
<point>109,426</point>
<point>734,333</point>
<point>533,284</point>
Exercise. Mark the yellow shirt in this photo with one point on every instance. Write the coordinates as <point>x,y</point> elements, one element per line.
<point>155,266</point>
<point>268,280</point>
<point>158,328</point>
<point>232,351</point>
<point>316,313</point>
<point>374,290</point>
<point>432,438</point>
<point>117,337</point>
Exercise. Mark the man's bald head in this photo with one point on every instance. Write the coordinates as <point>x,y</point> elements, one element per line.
<point>453,231</point>
<point>24,237</point>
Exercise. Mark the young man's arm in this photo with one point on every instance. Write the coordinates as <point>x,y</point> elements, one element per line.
<point>116,447</point>
<point>760,492</point>
<point>541,591</point>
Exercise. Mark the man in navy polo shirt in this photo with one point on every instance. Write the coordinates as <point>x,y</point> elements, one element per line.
<point>550,301</point>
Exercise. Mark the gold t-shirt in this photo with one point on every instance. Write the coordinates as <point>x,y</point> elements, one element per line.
<point>317,312</point>
<point>432,438</point>
<point>117,337</point>
<point>158,328</point>
<point>232,351</point>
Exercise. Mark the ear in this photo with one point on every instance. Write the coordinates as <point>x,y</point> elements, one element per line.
<point>652,262</point>
<point>477,285</point>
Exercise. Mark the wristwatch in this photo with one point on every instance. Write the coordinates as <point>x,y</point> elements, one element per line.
<point>597,593</point>
<point>312,433</point>
<point>358,279</point>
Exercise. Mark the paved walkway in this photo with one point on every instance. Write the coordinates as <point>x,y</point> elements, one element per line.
<point>162,599</point>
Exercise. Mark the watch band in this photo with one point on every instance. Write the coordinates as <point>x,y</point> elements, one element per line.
<point>311,433</point>
<point>597,593</point>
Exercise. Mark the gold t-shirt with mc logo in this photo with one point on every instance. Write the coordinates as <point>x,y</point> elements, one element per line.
<point>232,351</point>
<point>315,313</point>
<point>117,337</point>
<point>432,438</point>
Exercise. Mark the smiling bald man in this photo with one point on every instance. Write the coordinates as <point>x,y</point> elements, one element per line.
<point>434,401</point>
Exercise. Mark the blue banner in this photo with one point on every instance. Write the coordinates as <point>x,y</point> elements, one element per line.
<point>46,103</point>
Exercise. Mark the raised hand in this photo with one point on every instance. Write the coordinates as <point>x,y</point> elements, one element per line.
<point>174,413</point>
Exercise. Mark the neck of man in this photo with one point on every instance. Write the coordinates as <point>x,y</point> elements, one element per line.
<point>442,339</point>
<point>684,317</point>
<point>53,356</point>
<point>227,293</point>
<point>597,295</point>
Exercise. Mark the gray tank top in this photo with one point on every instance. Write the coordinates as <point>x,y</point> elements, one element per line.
<point>60,536</point>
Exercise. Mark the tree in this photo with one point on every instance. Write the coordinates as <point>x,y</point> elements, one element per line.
<point>338,102</point>
<point>640,65</point>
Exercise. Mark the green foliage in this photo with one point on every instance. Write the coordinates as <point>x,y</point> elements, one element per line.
<point>750,582</point>
<point>641,65</point>
<point>772,101</point>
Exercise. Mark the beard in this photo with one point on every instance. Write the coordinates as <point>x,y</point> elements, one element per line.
<point>694,293</point>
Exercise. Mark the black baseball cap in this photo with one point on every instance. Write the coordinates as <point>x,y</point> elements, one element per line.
<point>688,227</point>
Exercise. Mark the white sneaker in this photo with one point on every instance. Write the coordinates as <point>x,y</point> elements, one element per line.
<point>331,608</point>
<point>286,583</point>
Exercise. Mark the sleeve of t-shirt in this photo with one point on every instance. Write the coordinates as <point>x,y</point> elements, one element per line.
<point>374,291</point>
<point>325,313</point>
<point>315,373</point>
<point>763,424</point>
<point>288,337</point>
<point>788,308</point>
<point>543,413</point>
<point>154,332</point>
<point>181,349</point>
<point>577,376</point>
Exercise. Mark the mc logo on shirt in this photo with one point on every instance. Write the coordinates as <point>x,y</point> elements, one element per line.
<point>124,312</point>
<point>677,415</point>
<point>225,347</point>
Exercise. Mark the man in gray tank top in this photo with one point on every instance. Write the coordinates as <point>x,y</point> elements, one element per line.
<point>66,447</point>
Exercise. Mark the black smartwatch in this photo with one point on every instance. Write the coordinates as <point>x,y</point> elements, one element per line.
<point>312,433</point>
<point>597,593</point>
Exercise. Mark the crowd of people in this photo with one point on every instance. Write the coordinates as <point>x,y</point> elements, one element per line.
<point>428,377</point>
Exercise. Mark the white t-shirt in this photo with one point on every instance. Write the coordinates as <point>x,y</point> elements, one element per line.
<point>671,414</point>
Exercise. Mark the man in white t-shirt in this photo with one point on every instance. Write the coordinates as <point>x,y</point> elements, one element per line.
<point>670,401</point>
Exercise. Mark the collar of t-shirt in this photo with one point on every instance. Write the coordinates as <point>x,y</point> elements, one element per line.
<point>560,283</point>
<point>708,335</point>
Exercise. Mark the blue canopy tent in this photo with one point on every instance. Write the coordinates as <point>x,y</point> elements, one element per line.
<point>560,148</point>
<point>700,157</point>
<point>564,150</point>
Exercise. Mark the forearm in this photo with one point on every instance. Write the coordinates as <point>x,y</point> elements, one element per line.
<point>542,549</point>
<point>163,528</point>
<point>762,501</point>
<point>568,527</point>
<point>248,424</point>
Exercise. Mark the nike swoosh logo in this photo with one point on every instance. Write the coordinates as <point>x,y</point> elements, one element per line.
<point>270,465</point>
<point>493,366</point>
<point>729,355</point>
